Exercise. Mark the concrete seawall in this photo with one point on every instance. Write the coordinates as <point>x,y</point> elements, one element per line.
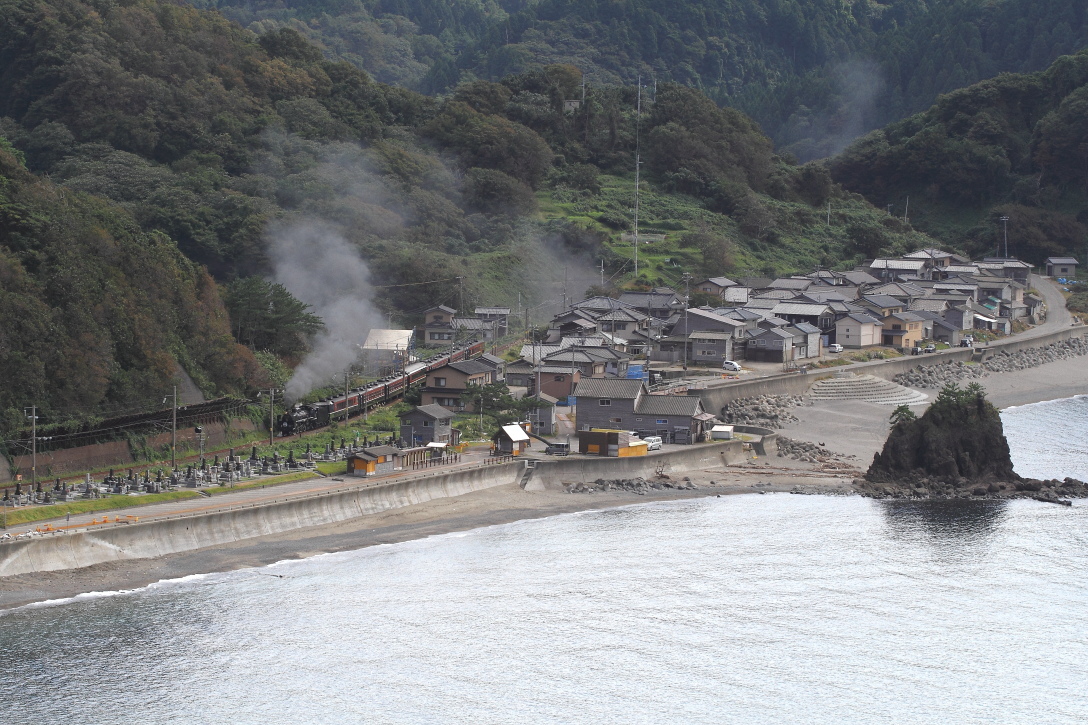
<point>189,532</point>
<point>216,528</point>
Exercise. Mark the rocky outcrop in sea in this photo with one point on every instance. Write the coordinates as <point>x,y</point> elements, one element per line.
<point>957,449</point>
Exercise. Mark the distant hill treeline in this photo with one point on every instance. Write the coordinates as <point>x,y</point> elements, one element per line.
<point>814,74</point>
<point>1015,146</point>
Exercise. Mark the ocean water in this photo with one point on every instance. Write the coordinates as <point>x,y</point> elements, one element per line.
<point>1050,439</point>
<point>740,609</point>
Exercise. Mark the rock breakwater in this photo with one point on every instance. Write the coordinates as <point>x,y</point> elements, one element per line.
<point>923,487</point>
<point>766,411</point>
<point>934,377</point>
<point>639,485</point>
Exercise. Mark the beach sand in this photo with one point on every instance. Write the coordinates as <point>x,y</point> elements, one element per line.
<point>852,429</point>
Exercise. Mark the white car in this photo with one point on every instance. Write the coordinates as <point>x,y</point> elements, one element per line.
<point>731,365</point>
<point>834,347</point>
<point>653,443</point>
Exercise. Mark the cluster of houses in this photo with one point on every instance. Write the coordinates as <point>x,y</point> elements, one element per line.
<point>587,353</point>
<point>926,295</point>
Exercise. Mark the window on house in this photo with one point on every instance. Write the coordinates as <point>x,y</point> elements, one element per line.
<point>615,420</point>
<point>761,342</point>
<point>440,382</point>
<point>604,401</point>
<point>662,421</point>
<point>426,424</point>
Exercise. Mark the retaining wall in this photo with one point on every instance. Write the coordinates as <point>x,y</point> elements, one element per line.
<point>189,532</point>
<point>118,454</point>
<point>197,531</point>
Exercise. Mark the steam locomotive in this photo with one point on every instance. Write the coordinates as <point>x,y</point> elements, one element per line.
<point>316,415</point>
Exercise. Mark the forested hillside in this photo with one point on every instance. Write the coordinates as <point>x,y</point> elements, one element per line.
<point>94,312</point>
<point>1014,146</point>
<point>814,74</point>
<point>256,157</point>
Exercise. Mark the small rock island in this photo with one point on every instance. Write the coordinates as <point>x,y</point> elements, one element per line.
<point>957,449</point>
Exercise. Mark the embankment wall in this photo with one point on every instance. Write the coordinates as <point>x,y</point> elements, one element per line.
<point>119,454</point>
<point>189,532</point>
<point>225,526</point>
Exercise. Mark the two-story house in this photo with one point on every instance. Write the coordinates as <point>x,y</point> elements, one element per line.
<point>902,329</point>
<point>858,330</point>
<point>447,385</point>
<point>438,329</point>
<point>614,403</point>
<point>428,423</point>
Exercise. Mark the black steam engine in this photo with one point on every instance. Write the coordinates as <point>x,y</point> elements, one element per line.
<point>302,418</point>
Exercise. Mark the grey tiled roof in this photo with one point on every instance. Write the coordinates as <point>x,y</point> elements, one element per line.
<point>619,388</point>
<point>684,405</point>
<point>434,411</point>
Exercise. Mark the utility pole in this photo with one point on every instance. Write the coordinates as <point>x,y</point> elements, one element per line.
<point>1005,221</point>
<point>602,273</point>
<point>687,304</point>
<point>461,282</point>
<point>347,403</point>
<point>638,164</point>
<point>33,444</point>
<point>174,432</point>
<point>906,209</point>
<point>271,415</point>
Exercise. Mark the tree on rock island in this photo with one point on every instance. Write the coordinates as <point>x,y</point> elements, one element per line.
<point>958,440</point>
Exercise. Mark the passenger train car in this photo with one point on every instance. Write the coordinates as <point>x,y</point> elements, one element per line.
<point>316,415</point>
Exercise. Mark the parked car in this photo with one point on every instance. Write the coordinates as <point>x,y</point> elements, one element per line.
<point>967,341</point>
<point>558,449</point>
<point>930,348</point>
<point>653,443</point>
<point>731,365</point>
<point>916,350</point>
<point>834,347</point>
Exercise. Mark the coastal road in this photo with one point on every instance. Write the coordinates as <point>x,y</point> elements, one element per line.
<point>1058,316</point>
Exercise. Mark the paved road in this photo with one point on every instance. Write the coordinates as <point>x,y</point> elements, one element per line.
<point>1057,316</point>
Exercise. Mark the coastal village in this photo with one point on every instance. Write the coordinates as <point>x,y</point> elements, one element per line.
<point>616,376</point>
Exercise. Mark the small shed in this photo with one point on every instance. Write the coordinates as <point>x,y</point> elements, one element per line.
<point>1064,267</point>
<point>362,463</point>
<point>511,440</point>
<point>721,433</point>
<point>611,443</point>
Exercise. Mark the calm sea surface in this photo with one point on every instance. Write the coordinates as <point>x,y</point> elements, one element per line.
<point>741,609</point>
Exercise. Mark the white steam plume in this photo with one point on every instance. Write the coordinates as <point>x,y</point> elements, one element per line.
<point>321,268</point>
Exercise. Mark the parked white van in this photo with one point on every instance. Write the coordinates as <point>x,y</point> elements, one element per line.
<point>731,365</point>
<point>653,443</point>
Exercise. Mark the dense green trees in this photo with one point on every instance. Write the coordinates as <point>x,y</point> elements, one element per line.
<point>96,313</point>
<point>1012,146</point>
<point>265,316</point>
